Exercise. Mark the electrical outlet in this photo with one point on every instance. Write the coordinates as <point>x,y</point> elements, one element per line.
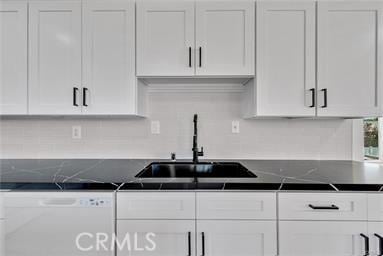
<point>76,132</point>
<point>156,127</point>
<point>235,126</point>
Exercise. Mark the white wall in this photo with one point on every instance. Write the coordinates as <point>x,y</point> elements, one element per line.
<point>131,138</point>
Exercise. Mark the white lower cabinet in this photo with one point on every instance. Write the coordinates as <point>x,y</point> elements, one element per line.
<point>2,227</point>
<point>156,237</point>
<point>322,238</point>
<point>236,238</point>
<point>245,224</point>
<point>375,231</point>
<point>169,217</point>
<point>375,224</point>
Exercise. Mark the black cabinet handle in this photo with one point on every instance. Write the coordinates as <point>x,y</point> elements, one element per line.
<point>366,244</point>
<point>331,207</point>
<point>380,244</point>
<point>203,243</point>
<point>200,56</point>
<point>75,90</point>
<point>84,91</point>
<point>189,244</point>
<point>190,56</point>
<point>312,97</point>
<point>325,98</point>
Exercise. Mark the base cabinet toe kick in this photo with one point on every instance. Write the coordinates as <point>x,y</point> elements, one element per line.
<point>212,223</point>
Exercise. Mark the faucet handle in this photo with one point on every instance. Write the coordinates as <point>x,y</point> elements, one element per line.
<point>173,156</point>
<point>201,153</point>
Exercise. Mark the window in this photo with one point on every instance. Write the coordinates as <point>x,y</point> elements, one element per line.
<point>371,139</point>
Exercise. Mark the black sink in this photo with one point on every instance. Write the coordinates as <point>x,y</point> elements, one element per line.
<point>199,170</point>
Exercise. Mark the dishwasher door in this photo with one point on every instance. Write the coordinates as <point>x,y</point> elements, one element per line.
<point>49,223</point>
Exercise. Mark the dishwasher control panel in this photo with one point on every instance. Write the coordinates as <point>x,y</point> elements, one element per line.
<point>95,202</point>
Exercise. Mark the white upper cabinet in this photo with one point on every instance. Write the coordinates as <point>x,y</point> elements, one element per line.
<point>285,76</point>
<point>13,57</point>
<point>54,57</point>
<point>109,85</point>
<point>165,38</point>
<point>204,38</point>
<point>350,45</point>
<point>225,38</point>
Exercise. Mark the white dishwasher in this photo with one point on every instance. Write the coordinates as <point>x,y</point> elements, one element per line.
<point>58,223</point>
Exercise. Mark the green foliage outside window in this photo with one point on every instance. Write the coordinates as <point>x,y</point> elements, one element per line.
<point>371,134</point>
<point>371,138</point>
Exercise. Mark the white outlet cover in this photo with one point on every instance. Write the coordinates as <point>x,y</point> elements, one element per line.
<point>156,127</point>
<point>76,132</point>
<point>235,126</point>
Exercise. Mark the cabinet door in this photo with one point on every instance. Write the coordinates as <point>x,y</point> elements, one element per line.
<point>321,238</point>
<point>2,224</point>
<point>375,230</point>
<point>109,57</point>
<point>54,57</point>
<point>2,242</point>
<point>350,44</point>
<point>236,238</point>
<point>225,35</point>
<point>165,38</point>
<point>13,57</point>
<point>285,58</point>
<point>168,237</point>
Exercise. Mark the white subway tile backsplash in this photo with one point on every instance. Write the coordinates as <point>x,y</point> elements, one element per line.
<point>131,138</point>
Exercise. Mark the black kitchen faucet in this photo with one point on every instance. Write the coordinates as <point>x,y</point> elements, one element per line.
<point>196,152</point>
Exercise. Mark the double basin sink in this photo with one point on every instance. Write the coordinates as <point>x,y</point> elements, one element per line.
<point>195,170</point>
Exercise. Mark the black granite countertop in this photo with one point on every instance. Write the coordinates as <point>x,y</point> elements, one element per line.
<point>119,174</point>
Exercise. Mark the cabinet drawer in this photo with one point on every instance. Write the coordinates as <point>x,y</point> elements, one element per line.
<point>236,205</point>
<point>375,207</point>
<point>155,205</point>
<point>322,206</point>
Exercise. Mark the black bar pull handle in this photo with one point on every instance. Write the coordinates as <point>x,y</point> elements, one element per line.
<point>380,244</point>
<point>189,244</point>
<point>331,207</point>
<point>324,97</point>
<point>84,92</point>
<point>366,244</point>
<point>203,243</point>
<point>312,90</point>
<point>200,56</point>
<point>190,57</point>
<point>75,90</point>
